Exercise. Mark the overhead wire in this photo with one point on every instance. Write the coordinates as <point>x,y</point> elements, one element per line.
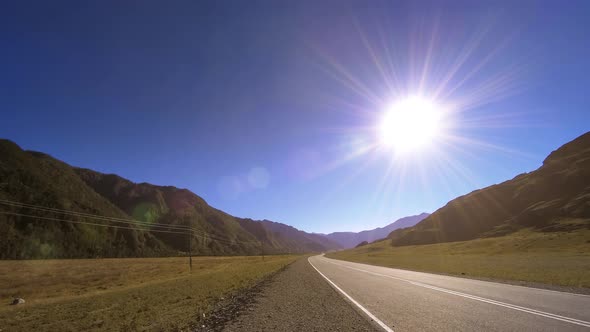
<point>94,216</point>
<point>85,222</point>
<point>167,228</point>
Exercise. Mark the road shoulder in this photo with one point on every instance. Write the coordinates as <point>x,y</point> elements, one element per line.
<point>297,299</point>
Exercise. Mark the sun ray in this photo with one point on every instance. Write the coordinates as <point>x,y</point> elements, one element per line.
<point>428,56</point>
<point>348,79</point>
<point>373,55</point>
<point>422,121</point>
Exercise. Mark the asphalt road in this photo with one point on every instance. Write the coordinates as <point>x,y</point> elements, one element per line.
<point>401,300</point>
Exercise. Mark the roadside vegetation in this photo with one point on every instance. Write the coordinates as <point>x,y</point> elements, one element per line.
<point>556,258</point>
<point>148,294</point>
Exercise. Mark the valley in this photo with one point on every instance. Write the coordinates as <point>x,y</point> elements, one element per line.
<point>295,166</point>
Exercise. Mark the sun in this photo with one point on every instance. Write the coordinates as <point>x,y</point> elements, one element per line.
<point>410,125</point>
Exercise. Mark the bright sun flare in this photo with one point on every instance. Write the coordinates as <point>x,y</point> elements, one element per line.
<point>410,125</point>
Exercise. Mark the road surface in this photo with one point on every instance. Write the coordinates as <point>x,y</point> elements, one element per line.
<point>401,300</point>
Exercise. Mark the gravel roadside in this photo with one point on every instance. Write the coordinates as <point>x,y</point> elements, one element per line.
<point>298,299</point>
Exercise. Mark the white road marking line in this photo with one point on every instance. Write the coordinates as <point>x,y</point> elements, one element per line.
<point>367,312</point>
<point>508,285</point>
<point>477,298</point>
<point>508,305</point>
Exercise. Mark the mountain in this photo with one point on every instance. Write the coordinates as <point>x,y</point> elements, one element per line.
<point>297,238</point>
<point>62,211</point>
<point>352,239</point>
<point>555,197</point>
<point>150,203</point>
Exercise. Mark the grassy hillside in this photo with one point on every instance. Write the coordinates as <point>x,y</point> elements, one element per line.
<point>544,199</point>
<point>41,181</point>
<point>169,205</point>
<point>558,258</point>
<point>37,178</point>
<point>147,294</point>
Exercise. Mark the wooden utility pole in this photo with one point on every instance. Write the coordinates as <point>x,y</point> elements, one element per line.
<point>190,256</point>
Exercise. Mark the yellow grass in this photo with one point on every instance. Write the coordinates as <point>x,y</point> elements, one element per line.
<point>559,258</point>
<point>148,294</point>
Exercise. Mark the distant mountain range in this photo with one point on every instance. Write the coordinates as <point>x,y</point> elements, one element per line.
<point>555,197</point>
<point>49,209</point>
<point>61,212</point>
<point>352,239</point>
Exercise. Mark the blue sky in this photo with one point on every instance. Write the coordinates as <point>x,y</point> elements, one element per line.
<point>262,107</point>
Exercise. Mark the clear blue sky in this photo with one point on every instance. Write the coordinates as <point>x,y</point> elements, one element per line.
<point>259,107</point>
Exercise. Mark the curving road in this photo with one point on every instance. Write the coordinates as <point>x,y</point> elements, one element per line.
<point>401,300</point>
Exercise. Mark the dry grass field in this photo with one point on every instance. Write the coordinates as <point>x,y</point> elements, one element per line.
<point>556,258</point>
<point>128,294</point>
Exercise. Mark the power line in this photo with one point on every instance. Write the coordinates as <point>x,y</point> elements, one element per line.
<point>88,215</point>
<point>95,224</point>
<point>93,216</point>
<point>178,229</point>
<point>121,220</point>
<point>86,223</point>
